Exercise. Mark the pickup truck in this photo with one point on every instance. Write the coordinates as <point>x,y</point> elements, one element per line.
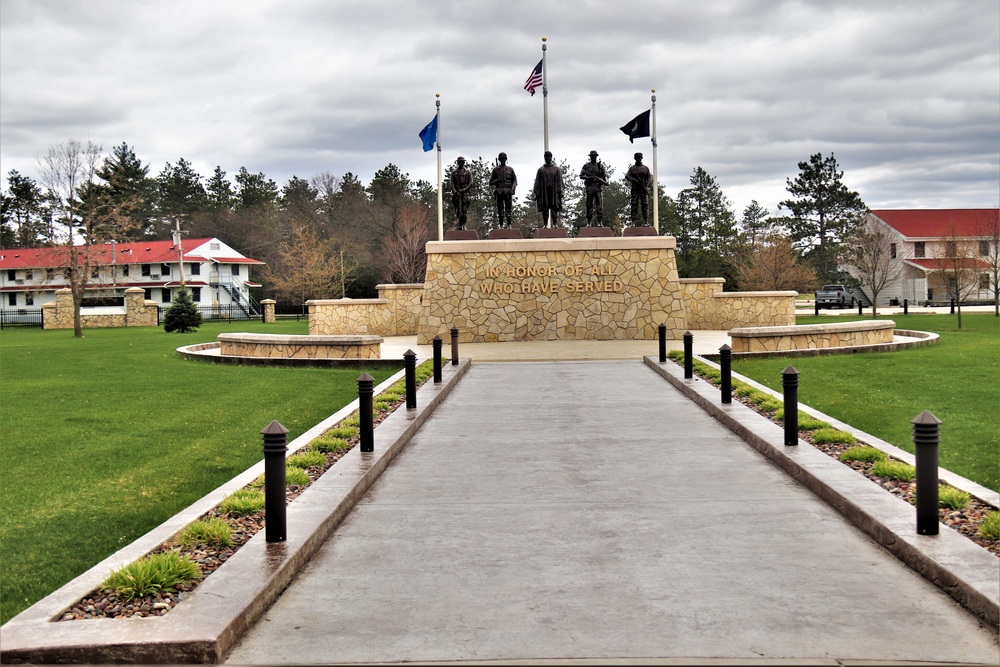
<point>834,295</point>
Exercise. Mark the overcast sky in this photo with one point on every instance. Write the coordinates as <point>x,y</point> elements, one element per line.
<point>905,94</point>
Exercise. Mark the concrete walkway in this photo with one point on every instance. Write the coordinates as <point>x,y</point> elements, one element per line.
<point>588,511</point>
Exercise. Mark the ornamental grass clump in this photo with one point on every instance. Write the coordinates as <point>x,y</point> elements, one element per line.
<point>243,502</point>
<point>896,470</point>
<point>213,532</point>
<point>951,498</point>
<point>863,453</point>
<point>989,528</point>
<point>326,444</point>
<point>832,436</point>
<point>306,459</point>
<point>152,575</point>
<point>296,477</point>
<point>344,432</point>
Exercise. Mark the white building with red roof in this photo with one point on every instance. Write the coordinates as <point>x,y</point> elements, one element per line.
<point>216,274</point>
<point>929,240</point>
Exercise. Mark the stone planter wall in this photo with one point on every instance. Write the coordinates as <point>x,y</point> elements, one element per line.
<point>708,307</point>
<point>812,336</point>
<point>300,347</point>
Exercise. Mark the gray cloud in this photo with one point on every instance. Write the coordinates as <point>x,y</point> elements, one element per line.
<point>905,94</point>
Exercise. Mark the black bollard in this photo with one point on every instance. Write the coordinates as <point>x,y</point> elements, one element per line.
<point>688,361</point>
<point>790,385</point>
<point>816,307</point>
<point>926,435</point>
<point>663,342</point>
<point>726,364</point>
<point>410,365</point>
<point>860,308</point>
<point>952,306</point>
<point>437,358</point>
<point>454,346</point>
<point>906,307</point>
<point>275,446</point>
<point>366,385</point>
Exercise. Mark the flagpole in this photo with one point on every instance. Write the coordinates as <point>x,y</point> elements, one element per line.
<point>545,96</point>
<point>437,141</point>
<point>656,176</point>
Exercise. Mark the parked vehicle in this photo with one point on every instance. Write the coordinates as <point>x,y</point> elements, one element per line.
<point>830,296</point>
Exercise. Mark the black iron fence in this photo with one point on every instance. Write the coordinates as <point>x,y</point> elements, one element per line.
<point>20,317</point>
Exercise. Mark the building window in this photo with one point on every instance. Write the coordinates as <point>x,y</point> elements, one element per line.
<point>29,299</point>
<point>196,294</point>
<point>11,274</point>
<point>892,250</point>
<point>950,249</point>
<point>148,293</point>
<point>165,295</point>
<point>919,249</point>
<point>984,282</point>
<point>164,269</point>
<point>195,269</point>
<point>145,270</point>
<point>28,275</point>
<point>236,269</point>
<point>215,246</point>
<point>984,248</point>
<point>125,270</point>
<point>12,298</point>
<point>50,274</point>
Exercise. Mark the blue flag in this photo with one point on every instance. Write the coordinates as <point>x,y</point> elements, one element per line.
<point>430,134</point>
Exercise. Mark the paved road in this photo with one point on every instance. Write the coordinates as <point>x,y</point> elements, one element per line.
<point>581,510</point>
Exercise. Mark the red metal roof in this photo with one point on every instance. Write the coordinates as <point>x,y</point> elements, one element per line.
<point>937,223</point>
<point>148,252</point>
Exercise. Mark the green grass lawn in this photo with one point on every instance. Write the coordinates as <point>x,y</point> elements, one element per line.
<point>105,437</point>
<point>958,380</point>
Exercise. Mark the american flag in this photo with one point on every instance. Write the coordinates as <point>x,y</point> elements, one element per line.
<point>534,79</point>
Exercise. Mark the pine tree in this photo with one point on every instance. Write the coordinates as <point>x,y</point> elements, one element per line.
<point>183,315</point>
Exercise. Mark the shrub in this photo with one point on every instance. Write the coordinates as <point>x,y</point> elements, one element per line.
<point>742,389</point>
<point>150,575</point>
<point>183,315</point>
<point>243,501</point>
<point>951,498</point>
<point>306,459</point>
<point>382,406</point>
<point>354,420</point>
<point>830,436</point>
<point>770,404</point>
<point>326,444</point>
<point>897,470</point>
<point>807,423</point>
<point>863,453</point>
<point>676,355</point>
<point>989,528</point>
<point>212,532</point>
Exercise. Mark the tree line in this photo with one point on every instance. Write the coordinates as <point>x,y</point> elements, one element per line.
<point>330,236</point>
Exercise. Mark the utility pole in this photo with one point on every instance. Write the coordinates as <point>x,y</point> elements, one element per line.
<point>180,251</point>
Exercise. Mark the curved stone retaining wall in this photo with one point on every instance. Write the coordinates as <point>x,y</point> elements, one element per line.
<point>300,347</point>
<point>812,336</point>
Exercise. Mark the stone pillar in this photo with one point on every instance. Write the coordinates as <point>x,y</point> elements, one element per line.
<point>268,305</point>
<point>59,314</point>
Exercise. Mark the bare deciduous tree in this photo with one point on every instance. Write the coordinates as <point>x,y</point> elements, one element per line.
<point>958,268</point>
<point>308,268</point>
<point>868,254</point>
<point>406,258</point>
<point>988,231</point>
<point>775,265</point>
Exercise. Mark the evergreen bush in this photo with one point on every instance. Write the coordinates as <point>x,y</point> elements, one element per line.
<point>183,315</point>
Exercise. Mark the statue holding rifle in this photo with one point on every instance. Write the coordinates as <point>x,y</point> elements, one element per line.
<point>461,184</point>
<point>594,177</point>
<point>641,181</point>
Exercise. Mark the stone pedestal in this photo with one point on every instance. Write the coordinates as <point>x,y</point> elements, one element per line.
<point>552,289</point>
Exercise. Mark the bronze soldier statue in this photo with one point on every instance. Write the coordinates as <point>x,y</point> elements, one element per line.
<point>595,177</point>
<point>504,182</point>
<point>548,191</point>
<point>461,183</point>
<point>640,178</point>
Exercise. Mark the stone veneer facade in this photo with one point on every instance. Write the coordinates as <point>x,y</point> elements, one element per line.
<point>394,313</point>
<point>551,289</point>
<point>300,347</point>
<point>137,312</point>
<point>811,336</point>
